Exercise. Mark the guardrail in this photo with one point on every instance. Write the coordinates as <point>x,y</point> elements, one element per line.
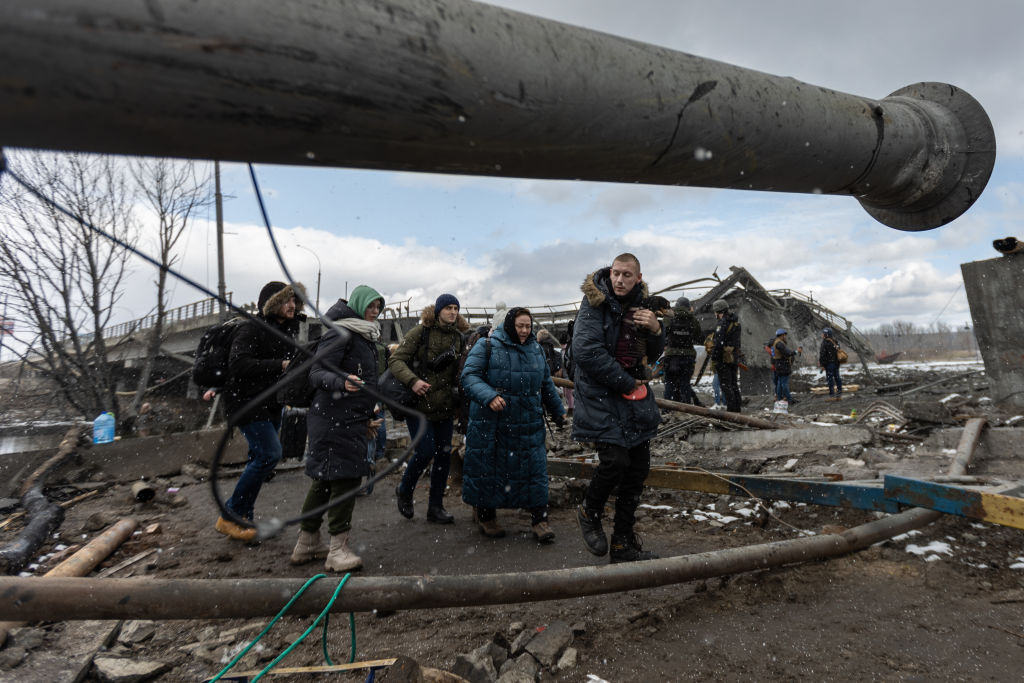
<point>197,309</point>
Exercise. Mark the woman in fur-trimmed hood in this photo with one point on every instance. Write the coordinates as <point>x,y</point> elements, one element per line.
<point>427,362</point>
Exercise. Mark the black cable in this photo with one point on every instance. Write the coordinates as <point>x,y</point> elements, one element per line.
<point>266,529</point>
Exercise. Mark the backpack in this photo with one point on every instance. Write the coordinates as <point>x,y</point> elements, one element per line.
<point>210,368</point>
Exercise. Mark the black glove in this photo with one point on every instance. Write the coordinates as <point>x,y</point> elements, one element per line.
<point>559,421</point>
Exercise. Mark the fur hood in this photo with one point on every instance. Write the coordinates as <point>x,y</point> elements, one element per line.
<point>276,300</point>
<point>427,319</point>
<point>597,287</point>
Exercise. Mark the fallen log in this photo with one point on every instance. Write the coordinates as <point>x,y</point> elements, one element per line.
<point>67,448</point>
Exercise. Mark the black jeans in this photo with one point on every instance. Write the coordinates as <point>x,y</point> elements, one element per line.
<point>435,451</point>
<point>626,468</point>
<point>730,387</point>
<point>678,374</point>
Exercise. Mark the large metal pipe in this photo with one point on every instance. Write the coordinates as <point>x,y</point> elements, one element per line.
<point>29,599</point>
<point>455,86</point>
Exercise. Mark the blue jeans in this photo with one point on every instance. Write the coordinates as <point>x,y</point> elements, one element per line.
<point>835,383</point>
<point>716,386</point>
<point>435,449</point>
<point>782,388</point>
<point>264,454</point>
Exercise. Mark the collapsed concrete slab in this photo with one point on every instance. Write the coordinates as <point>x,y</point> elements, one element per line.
<point>794,440</point>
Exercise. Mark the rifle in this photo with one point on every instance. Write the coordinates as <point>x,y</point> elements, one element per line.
<point>703,367</point>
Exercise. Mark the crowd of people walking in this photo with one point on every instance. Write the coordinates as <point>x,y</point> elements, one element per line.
<point>498,382</point>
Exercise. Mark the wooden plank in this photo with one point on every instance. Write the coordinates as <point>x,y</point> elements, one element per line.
<point>282,671</point>
<point>834,494</point>
<point>957,500</point>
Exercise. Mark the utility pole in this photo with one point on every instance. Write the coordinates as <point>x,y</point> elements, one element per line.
<point>221,288</point>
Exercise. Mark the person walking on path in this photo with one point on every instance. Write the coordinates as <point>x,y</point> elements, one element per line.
<point>682,335</point>
<point>508,380</point>
<point>427,362</point>
<point>340,423</point>
<point>614,409</point>
<point>783,364</point>
<point>828,360</point>
<point>726,354</point>
<point>257,359</point>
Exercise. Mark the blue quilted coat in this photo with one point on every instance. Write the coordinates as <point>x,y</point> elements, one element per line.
<point>506,460</point>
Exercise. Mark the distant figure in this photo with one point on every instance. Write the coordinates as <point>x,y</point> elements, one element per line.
<point>257,360</point>
<point>828,360</point>
<point>616,411</point>
<point>340,425</point>
<point>509,383</point>
<point>428,362</point>
<point>567,393</point>
<point>783,363</point>
<point>725,354</point>
<point>682,335</point>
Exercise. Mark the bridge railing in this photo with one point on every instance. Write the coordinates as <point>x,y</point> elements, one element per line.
<point>191,311</point>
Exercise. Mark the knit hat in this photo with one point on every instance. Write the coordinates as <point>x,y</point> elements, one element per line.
<point>444,300</point>
<point>361,298</point>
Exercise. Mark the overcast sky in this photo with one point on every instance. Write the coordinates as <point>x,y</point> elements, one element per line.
<point>532,242</point>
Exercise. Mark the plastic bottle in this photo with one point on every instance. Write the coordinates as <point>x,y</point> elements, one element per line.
<point>103,428</point>
<point>853,414</point>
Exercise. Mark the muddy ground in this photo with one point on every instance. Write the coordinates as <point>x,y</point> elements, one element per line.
<point>892,612</point>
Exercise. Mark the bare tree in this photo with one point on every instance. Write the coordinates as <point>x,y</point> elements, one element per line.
<point>173,191</point>
<point>62,278</point>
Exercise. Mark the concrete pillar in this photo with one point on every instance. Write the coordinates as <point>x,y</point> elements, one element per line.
<point>996,298</point>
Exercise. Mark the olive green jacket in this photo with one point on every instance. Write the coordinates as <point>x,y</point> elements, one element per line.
<point>409,363</point>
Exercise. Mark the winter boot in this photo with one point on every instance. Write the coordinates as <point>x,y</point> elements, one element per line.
<point>543,533</point>
<point>490,528</point>
<point>309,547</point>
<point>341,558</point>
<point>593,533</point>
<point>404,503</point>
<point>236,531</point>
<point>438,515</point>
<point>629,549</point>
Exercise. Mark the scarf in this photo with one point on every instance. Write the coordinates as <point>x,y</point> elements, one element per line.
<point>364,328</point>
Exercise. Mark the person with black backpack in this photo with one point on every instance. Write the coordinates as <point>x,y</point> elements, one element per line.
<point>340,423</point>
<point>257,358</point>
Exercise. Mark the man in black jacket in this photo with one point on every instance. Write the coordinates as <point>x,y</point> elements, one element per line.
<point>612,334</point>
<point>680,357</point>
<point>258,358</point>
<point>726,354</point>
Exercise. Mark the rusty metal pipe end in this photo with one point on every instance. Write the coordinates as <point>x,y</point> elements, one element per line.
<point>941,180</point>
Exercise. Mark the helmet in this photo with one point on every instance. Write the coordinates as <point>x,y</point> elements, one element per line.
<point>720,305</point>
<point>827,331</point>
<point>780,331</point>
<point>682,302</point>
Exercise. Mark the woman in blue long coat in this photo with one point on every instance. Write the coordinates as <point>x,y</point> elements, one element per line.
<point>508,382</point>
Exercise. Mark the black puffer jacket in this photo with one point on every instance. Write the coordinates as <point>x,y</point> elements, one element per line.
<point>254,363</point>
<point>338,418</point>
<point>828,354</point>
<point>601,414</point>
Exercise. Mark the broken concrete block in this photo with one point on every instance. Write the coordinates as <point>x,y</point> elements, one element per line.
<point>475,667</point>
<point>549,644</point>
<point>136,631</point>
<point>112,670</point>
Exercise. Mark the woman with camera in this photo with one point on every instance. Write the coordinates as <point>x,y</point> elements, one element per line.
<point>427,362</point>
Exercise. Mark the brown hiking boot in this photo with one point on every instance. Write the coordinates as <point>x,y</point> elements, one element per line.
<point>490,528</point>
<point>236,531</point>
<point>543,533</point>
